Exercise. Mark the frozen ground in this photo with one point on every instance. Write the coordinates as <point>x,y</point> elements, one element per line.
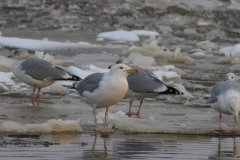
<point>191,38</point>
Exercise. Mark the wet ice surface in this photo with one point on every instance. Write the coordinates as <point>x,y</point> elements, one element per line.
<point>118,146</point>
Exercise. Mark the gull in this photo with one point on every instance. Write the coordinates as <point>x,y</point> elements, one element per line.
<point>232,77</point>
<point>102,90</point>
<point>144,85</point>
<point>225,98</point>
<point>37,72</point>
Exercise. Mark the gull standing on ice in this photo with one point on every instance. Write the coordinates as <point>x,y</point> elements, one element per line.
<point>37,72</point>
<point>225,98</point>
<point>144,85</point>
<point>102,90</point>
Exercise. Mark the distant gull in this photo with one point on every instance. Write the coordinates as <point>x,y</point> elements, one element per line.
<point>225,98</point>
<point>102,90</point>
<point>144,85</point>
<point>37,72</point>
<point>232,77</point>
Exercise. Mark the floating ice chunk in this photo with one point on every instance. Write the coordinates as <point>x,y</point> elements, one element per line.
<point>78,72</point>
<point>151,118</point>
<point>168,67</point>
<point>166,75</point>
<point>119,36</point>
<point>10,126</point>
<point>8,74</point>
<point>198,55</point>
<point>5,64</point>
<point>22,84</point>
<point>100,39</point>
<point>51,126</point>
<point>3,88</point>
<point>182,89</point>
<point>15,86</point>
<point>9,83</point>
<point>207,45</point>
<point>38,44</point>
<point>95,69</point>
<point>226,50</point>
<point>236,50</point>
<point>24,89</point>
<point>140,60</point>
<point>56,89</point>
<point>5,79</point>
<point>144,33</point>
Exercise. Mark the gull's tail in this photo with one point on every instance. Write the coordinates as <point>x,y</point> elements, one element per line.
<point>171,90</point>
<point>74,78</point>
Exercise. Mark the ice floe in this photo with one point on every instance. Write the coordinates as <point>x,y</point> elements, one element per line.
<point>119,36</point>
<point>3,88</point>
<point>55,89</point>
<point>144,33</point>
<point>5,64</point>
<point>49,127</point>
<point>33,44</point>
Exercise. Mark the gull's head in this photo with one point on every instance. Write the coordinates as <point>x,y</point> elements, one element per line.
<point>122,69</point>
<point>19,54</point>
<point>230,76</point>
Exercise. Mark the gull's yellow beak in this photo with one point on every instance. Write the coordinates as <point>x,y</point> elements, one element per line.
<point>110,66</point>
<point>10,56</point>
<point>135,70</point>
<point>236,119</point>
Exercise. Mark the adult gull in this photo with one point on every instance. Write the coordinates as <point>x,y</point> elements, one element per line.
<point>102,90</point>
<point>225,98</point>
<point>37,72</point>
<point>232,77</point>
<point>144,85</point>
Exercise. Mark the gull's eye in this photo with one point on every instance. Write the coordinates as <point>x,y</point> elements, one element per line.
<point>121,67</point>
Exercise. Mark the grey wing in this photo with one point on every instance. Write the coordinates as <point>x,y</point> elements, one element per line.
<point>221,88</point>
<point>40,69</point>
<point>90,83</point>
<point>145,81</point>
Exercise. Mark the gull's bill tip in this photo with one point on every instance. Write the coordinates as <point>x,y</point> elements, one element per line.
<point>136,70</point>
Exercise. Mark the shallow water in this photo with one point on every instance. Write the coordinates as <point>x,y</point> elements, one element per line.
<point>118,146</point>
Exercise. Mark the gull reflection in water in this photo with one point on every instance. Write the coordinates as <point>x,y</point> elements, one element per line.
<point>223,149</point>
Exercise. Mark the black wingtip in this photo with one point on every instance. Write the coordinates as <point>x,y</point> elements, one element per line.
<point>74,85</point>
<point>171,90</point>
<point>75,78</point>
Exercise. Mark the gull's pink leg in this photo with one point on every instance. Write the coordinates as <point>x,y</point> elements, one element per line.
<point>130,113</point>
<point>220,127</point>
<point>141,102</point>
<point>38,94</point>
<point>234,130</point>
<point>33,97</point>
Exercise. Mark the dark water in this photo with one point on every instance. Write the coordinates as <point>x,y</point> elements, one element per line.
<point>118,146</point>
